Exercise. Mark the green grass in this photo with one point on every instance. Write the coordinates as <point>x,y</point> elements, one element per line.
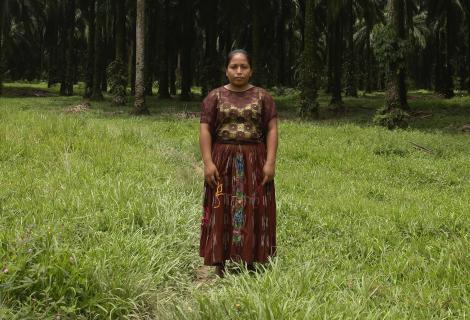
<point>100,213</point>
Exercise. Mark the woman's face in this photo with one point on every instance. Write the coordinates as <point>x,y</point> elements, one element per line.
<point>238,70</point>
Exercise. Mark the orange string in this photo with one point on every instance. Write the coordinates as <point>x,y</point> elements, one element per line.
<point>218,193</point>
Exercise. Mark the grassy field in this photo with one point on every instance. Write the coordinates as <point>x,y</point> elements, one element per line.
<point>100,214</point>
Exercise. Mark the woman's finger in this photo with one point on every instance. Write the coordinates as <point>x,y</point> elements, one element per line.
<point>265,179</point>
<point>209,181</point>
<point>213,182</point>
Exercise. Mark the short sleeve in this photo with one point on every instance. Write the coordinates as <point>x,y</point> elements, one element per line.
<point>269,109</point>
<point>209,108</point>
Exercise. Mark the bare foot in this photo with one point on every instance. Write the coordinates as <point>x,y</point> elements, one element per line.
<point>203,274</point>
<point>220,270</point>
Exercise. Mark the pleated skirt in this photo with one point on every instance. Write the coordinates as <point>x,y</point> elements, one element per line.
<point>239,215</point>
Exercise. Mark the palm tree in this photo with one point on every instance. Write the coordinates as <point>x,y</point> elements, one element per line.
<point>395,95</point>
<point>294,37</point>
<point>445,15</point>
<point>3,11</point>
<point>116,71</point>
<point>369,14</point>
<point>256,36</point>
<point>281,41</point>
<point>335,51</point>
<point>420,55</point>
<point>163,41</point>
<point>210,72</point>
<point>187,41</point>
<point>97,74</point>
<point>466,9</point>
<point>89,9</point>
<point>308,69</point>
<point>68,46</point>
<point>151,39</point>
<point>23,27</point>
<point>350,85</point>
<point>139,104</point>
<point>131,45</point>
<point>120,26</point>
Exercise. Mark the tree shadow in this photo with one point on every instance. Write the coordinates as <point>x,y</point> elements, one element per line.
<point>429,112</point>
<point>26,92</point>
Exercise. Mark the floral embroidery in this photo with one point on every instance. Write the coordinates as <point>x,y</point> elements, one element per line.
<point>238,215</point>
<point>239,165</point>
<point>240,122</point>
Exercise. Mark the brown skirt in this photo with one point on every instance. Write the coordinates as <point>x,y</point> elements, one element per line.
<point>239,216</point>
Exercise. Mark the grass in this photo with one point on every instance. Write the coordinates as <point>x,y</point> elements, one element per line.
<point>100,213</point>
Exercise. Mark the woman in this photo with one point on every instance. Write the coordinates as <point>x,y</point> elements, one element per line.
<point>238,140</point>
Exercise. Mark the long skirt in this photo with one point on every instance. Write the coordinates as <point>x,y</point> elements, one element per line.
<point>239,215</point>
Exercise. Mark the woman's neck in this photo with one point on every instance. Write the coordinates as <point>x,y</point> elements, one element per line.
<point>231,87</point>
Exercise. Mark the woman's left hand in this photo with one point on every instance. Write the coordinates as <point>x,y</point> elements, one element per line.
<point>268,171</point>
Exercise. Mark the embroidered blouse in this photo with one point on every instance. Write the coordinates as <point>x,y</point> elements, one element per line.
<point>238,116</point>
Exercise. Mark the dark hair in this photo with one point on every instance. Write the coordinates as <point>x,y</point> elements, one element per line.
<point>234,52</point>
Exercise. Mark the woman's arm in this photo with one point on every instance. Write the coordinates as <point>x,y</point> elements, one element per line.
<point>271,149</point>
<point>211,175</point>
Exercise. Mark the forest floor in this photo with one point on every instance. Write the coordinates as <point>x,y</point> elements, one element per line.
<point>100,213</point>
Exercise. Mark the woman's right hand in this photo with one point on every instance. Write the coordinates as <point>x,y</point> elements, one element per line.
<point>211,174</point>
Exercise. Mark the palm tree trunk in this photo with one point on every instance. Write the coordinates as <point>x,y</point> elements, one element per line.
<point>462,71</point>
<point>448,73</point>
<point>229,25</point>
<point>292,54</point>
<point>330,55</point>
<point>63,36</point>
<point>139,104</point>
<point>51,41</point>
<point>97,72</point>
<point>438,63</point>
<point>172,69</point>
<point>3,12</point>
<point>116,70</point>
<point>468,54</point>
<point>150,44</point>
<point>163,84</point>
<point>70,45</point>
<point>131,53</point>
<point>308,72</point>
<point>303,13</point>
<point>108,42</point>
<point>173,24</point>
<point>368,63</point>
<point>90,49</point>
<point>395,96</point>
<point>186,45</point>
<point>257,56</point>
<point>281,44</point>
<point>336,52</point>
<point>427,60</point>
<point>350,86</point>
<point>210,71</point>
